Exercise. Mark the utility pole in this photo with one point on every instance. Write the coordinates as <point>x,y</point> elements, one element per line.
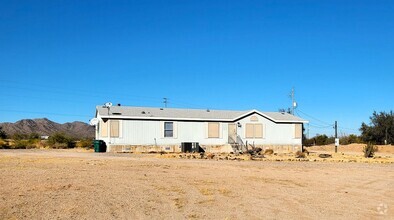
<point>165,102</point>
<point>308,130</point>
<point>293,102</point>
<point>336,137</point>
<point>386,141</point>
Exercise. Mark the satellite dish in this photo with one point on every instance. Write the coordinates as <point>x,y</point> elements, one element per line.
<point>295,104</point>
<point>108,104</point>
<point>94,121</point>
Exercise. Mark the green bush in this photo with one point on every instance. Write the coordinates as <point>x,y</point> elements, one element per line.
<point>26,144</point>
<point>351,139</point>
<point>3,135</point>
<point>60,140</point>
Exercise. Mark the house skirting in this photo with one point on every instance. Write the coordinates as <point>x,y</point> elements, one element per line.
<point>226,148</point>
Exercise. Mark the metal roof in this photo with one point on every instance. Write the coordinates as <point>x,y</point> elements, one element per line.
<point>129,112</point>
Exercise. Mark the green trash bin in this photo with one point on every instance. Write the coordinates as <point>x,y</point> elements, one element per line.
<point>99,146</point>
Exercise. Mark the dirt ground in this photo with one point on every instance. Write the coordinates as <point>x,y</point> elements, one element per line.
<point>67,184</point>
<point>355,148</point>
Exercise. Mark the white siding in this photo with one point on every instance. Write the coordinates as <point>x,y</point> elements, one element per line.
<point>143,132</point>
<point>273,133</point>
<point>137,132</point>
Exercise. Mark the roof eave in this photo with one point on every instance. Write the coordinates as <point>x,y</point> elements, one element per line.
<point>163,118</point>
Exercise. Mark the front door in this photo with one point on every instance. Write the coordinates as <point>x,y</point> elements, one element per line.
<point>232,133</point>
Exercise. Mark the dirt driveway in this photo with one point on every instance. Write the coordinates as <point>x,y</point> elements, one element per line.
<point>50,184</point>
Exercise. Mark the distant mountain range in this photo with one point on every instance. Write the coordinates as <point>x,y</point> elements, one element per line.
<point>44,126</point>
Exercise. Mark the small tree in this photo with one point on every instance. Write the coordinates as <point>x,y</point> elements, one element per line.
<point>19,136</point>
<point>349,139</point>
<point>380,128</point>
<point>60,140</point>
<point>321,139</point>
<point>3,135</point>
<point>34,136</point>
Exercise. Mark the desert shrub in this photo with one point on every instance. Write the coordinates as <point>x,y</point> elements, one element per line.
<point>43,144</point>
<point>369,150</point>
<point>19,136</point>
<point>59,146</point>
<point>24,141</point>
<point>4,144</point>
<point>20,144</point>
<point>33,136</point>
<point>210,156</point>
<point>300,154</point>
<point>308,142</point>
<point>60,140</point>
<point>268,151</point>
<point>349,139</point>
<point>25,144</point>
<point>85,143</point>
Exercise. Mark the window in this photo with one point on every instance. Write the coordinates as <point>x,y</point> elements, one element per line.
<point>254,131</point>
<point>298,131</point>
<point>258,130</point>
<point>168,129</point>
<point>103,128</point>
<point>114,128</point>
<point>213,130</point>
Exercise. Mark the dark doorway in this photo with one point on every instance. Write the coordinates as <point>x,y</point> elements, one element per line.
<point>191,147</point>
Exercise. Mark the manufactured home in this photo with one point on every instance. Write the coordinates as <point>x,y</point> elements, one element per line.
<point>146,129</point>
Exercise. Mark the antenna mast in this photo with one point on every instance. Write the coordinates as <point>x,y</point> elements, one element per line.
<point>293,102</point>
<point>165,102</point>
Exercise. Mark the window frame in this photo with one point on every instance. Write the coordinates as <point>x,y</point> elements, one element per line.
<point>165,129</point>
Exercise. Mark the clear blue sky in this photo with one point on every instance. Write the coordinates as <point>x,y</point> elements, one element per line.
<point>59,59</point>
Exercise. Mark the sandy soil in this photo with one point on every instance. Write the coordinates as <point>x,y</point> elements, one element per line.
<point>49,184</point>
<point>356,148</point>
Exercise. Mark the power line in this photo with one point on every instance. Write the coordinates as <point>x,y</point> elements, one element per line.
<point>50,89</point>
<point>318,126</point>
<point>75,91</point>
<point>350,129</point>
<point>47,113</point>
<point>323,122</point>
